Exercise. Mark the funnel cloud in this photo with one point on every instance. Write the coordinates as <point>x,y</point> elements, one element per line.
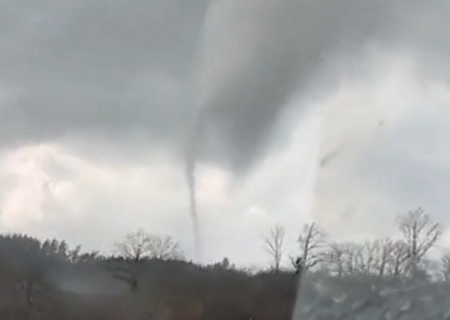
<point>257,54</point>
<point>77,69</point>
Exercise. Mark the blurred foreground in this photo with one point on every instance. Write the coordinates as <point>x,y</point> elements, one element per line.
<point>149,279</point>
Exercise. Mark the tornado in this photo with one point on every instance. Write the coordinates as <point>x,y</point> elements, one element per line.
<point>253,57</point>
<point>191,158</point>
<point>190,179</point>
<point>256,56</point>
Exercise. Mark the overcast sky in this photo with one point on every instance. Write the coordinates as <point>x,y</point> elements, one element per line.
<point>334,111</point>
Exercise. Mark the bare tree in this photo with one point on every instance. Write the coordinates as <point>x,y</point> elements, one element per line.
<point>274,245</point>
<point>135,248</point>
<point>370,257</point>
<point>311,241</point>
<point>362,257</point>
<point>397,259</point>
<point>131,251</point>
<point>383,249</point>
<point>163,248</point>
<point>381,257</point>
<point>334,257</point>
<point>420,235</point>
<point>140,245</point>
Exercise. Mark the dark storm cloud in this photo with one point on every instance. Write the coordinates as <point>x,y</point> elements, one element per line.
<point>103,66</point>
<point>81,68</point>
<point>265,51</point>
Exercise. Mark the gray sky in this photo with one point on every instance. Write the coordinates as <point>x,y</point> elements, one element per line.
<point>328,110</point>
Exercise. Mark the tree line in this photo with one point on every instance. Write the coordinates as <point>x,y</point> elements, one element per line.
<point>148,276</point>
<point>400,257</point>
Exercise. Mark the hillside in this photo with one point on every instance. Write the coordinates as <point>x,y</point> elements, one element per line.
<point>149,278</point>
<point>42,284</point>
